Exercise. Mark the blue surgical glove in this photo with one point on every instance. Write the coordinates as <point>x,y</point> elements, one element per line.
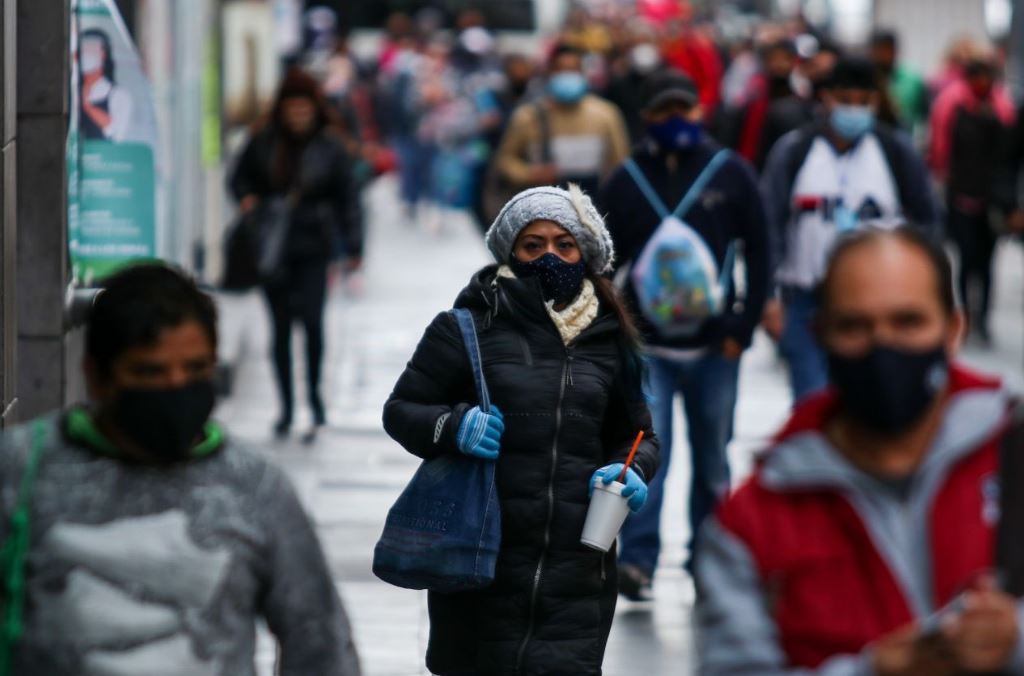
<point>635,487</point>
<point>480,433</point>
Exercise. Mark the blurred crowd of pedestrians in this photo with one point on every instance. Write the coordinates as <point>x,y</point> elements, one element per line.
<point>466,124</point>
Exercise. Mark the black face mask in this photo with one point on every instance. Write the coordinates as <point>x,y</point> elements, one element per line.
<point>560,281</point>
<point>518,89</point>
<point>888,389</point>
<point>779,86</point>
<point>165,422</point>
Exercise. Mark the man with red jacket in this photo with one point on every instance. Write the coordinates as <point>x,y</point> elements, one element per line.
<point>864,541</point>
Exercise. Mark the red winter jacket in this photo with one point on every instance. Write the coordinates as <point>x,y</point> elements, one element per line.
<point>811,560</point>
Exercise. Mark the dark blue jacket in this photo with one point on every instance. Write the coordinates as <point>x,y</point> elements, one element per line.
<point>729,209</point>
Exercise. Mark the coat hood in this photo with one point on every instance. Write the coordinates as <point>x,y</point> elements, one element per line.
<point>801,457</point>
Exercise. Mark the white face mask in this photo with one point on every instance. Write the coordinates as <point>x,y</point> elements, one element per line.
<point>645,58</point>
<point>91,58</point>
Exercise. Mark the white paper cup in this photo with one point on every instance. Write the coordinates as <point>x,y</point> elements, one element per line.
<point>607,512</point>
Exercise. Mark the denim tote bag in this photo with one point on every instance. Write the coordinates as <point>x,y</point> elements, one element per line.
<point>444,531</point>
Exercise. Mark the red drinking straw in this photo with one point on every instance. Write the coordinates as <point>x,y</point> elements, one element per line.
<point>632,454</point>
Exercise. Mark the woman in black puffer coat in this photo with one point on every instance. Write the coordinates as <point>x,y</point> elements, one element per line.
<point>560,357</point>
<point>298,154</point>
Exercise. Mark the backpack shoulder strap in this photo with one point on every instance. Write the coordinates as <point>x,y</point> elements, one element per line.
<point>467,328</point>
<point>702,181</point>
<point>891,151</point>
<point>15,551</point>
<point>799,153</point>
<point>646,188</point>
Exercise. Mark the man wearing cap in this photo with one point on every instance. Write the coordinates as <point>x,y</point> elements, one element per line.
<point>838,174</point>
<point>865,541</point>
<point>695,354</point>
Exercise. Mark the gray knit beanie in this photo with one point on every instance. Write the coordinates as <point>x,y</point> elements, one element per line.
<point>571,209</point>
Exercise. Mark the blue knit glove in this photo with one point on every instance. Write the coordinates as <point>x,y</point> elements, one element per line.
<point>480,433</point>
<point>635,489</point>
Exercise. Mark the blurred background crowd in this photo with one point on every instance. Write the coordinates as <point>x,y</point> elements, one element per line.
<point>432,96</point>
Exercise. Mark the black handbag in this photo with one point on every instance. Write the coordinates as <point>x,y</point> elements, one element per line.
<point>254,247</point>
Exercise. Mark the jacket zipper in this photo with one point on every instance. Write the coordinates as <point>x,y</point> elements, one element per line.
<point>539,573</point>
<point>527,354</point>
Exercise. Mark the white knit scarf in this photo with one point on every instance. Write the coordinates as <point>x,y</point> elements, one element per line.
<point>576,316</point>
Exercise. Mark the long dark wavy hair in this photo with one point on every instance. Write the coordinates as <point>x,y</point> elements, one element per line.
<point>288,148</point>
<point>631,342</point>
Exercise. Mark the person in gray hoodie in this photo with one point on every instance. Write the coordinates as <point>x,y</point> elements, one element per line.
<point>138,537</point>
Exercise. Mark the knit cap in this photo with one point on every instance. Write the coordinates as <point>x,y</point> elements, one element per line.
<point>572,209</point>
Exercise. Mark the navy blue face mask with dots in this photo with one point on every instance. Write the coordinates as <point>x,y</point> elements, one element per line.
<point>560,281</point>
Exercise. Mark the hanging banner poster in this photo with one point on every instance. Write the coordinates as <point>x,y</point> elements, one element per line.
<point>112,146</point>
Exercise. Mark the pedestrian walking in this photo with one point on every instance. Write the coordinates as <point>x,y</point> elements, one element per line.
<point>906,88</point>
<point>865,539</point>
<point>569,136</point>
<point>628,84</point>
<point>971,130</point>
<point>559,353</point>
<point>295,168</point>
<point>781,110</point>
<point>842,173</point>
<point>696,352</point>
<point>138,537</point>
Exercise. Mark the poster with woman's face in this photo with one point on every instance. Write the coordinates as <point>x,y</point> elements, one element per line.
<point>112,146</point>
<point>110,83</point>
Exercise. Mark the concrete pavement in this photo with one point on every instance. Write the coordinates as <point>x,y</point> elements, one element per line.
<point>351,475</point>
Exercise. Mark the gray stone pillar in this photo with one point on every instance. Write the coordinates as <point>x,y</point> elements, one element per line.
<point>8,204</point>
<point>1015,58</point>
<point>42,269</point>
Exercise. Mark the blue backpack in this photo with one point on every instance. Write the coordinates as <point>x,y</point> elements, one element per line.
<point>676,278</point>
<point>444,531</point>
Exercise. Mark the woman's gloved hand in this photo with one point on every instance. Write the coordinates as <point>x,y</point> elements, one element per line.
<point>480,433</point>
<point>635,490</point>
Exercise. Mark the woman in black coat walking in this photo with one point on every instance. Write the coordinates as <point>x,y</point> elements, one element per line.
<point>298,159</point>
<point>560,358</point>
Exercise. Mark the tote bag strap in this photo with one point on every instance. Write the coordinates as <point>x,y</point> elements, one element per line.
<point>468,330</point>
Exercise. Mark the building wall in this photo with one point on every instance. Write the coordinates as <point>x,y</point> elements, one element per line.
<point>41,214</point>
<point>928,26</point>
<point>174,41</point>
<point>8,207</point>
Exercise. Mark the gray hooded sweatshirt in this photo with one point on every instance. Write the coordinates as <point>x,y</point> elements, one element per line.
<point>136,569</point>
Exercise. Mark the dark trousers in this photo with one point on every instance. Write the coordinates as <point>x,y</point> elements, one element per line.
<point>708,385</point>
<point>299,297</point>
<point>975,241</point>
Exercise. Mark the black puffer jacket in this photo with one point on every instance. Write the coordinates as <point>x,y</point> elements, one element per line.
<point>567,412</point>
<point>327,218</point>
